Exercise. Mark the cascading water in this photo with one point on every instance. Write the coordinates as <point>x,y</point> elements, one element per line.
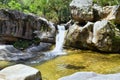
<point>58,50</point>
<point>59,39</point>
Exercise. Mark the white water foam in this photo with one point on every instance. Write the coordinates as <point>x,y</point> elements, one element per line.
<point>58,50</point>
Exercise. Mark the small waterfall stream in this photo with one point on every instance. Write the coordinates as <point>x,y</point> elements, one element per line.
<point>58,50</point>
<point>34,54</point>
<point>59,39</point>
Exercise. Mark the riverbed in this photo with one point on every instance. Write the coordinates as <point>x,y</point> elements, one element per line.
<point>74,61</point>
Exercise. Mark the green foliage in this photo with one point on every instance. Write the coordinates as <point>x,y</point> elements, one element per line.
<point>22,44</point>
<point>55,10</point>
<point>14,5</point>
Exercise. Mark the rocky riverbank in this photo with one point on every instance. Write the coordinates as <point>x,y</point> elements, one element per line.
<point>94,27</point>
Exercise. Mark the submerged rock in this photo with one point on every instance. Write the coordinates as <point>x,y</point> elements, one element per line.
<point>91,76</point>
<point>82,10</point>
<point>20,72</point>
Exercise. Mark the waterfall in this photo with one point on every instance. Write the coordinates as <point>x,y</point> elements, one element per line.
<point>58,50</point>
<point>59,39</point>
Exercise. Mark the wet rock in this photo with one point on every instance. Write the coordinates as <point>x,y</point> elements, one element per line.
<point>82,10</point>
<point>41,47</point>
<point>91,76</point>
<point>20,72</point>
<point>8,52</point>
<point>47,37</point>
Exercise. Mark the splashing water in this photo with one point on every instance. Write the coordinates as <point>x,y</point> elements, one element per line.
<point>58,50</point>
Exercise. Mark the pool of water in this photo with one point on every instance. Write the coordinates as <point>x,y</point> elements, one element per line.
<point>78,60</point>
<point>74,61</point>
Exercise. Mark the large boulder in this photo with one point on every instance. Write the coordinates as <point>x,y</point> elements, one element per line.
<point>91,76</point>
<point>111,13</point>
<point>102,36</point>
<point>20,72</point>
<point>82,10</point>
<point>80,36</point>
<point>79,76</point>
<point>15,25</point>
<point>106,37</point>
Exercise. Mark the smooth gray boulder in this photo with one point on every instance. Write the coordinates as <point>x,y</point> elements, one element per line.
<point>79,76</point>
<point>20,72</point>
<point>10,53</point>
<point>107,77</point>
<point>91,76</point>
<point>82,10</point>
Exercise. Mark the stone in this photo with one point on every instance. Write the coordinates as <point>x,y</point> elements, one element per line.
<point>10,53</point>
<point>106,36</point>
<point>110,13</point>
<point>79,36</point>
<point>107,77</point>
<point>91,76</point>
<point>41,47</point>
<point>79,76</point>
<point>81,10</point>
<point>101,36</point>
<point>20,72</point>
<point>47,37</point>
<point>17,25</point>
<point>117,15</point>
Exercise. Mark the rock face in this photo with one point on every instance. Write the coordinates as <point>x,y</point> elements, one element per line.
<point>82,10</point>
<point>20,72</point>
<point>78,36</point>
<point>15,25</point>
<point>91,76</point>
<point>106,36</point>
<point>102,36</point>
<point>94,27</point>
<point>107,12</point>
<point>117,16</point>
